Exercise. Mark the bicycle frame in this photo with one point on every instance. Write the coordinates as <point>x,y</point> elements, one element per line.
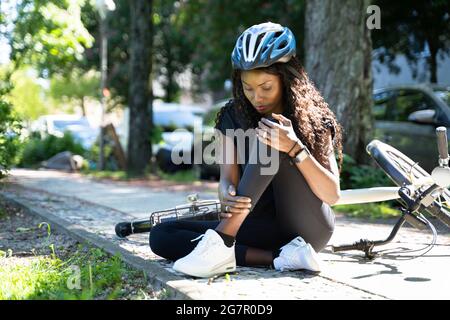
<point>367,195</point>
<point>418,190</point>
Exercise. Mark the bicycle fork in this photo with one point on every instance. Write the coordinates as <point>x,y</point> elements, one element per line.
<point>368,245</point>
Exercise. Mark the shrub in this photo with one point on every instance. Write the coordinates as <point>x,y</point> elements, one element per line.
<point>37,149</point>
<point>9,130</point>
<point>93,156</point>
<point>379,210</point>
<point>354,176</point>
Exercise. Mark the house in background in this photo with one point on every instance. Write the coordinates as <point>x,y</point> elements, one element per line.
<point>383,77</point>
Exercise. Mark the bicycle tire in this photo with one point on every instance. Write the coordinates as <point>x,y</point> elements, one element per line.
<point>398,168</point>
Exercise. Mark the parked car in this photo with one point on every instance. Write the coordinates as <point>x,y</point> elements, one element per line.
<point>405,117</point>
<point>78,126</point>
<point>208,169</point>
<point>172,117</point>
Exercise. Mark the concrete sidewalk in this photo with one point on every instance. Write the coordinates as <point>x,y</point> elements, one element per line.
<point>88,210</point>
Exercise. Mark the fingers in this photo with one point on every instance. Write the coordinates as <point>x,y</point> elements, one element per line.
<point>265,132</point>
<point>262,135</point>
<point>231,190</point>
<point>234,208</point>
<point>267,125</point>
<point>236,204</point>
<point>226,215</point>
<point>231,196</point>
<point>282,119</point>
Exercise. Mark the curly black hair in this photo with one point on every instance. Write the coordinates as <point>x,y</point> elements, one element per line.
<point>310,115</point>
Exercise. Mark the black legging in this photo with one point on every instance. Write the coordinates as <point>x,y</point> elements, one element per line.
<point>299,212</point>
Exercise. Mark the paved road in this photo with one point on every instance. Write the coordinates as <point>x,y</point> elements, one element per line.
<point>93,208</point>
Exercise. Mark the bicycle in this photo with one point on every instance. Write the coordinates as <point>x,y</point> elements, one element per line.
<point>417,191</point>
<point>195,210</point>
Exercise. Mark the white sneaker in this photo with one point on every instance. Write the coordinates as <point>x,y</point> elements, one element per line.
<point>209,258</point>
<point>297,255</point>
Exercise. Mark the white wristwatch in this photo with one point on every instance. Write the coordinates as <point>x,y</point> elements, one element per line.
<point>301,156</point>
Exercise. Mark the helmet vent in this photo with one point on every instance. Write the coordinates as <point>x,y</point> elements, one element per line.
<point>247,43</point>
<point>263,45</point>
<point>258,40</point>
<point>283,44</point>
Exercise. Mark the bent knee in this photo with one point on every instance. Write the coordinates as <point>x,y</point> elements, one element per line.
<point>157,239</point>
<point>319,242</point>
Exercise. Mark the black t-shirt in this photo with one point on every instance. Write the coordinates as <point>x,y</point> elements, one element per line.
<point>229,119</point>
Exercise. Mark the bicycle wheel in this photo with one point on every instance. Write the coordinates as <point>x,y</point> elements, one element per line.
<point>404,171</point>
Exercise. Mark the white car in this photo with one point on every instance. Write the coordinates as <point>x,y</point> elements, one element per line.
<point>178,123</point>
<point>78,126</point>
<point>172,118</point>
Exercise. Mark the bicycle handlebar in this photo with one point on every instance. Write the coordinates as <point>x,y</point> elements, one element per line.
<point>414,197</point>
<point>441,133</point>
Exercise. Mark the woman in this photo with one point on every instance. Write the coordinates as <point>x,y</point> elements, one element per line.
<point>279,219</point>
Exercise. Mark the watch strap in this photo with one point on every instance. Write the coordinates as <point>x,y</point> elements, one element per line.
<point>301,156</point>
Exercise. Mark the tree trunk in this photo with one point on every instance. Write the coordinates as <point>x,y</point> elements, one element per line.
<point>83,106</point>
<point>338,60</point>
<point>171,84</point>
<point>432,62</point>
<point>140,123</point>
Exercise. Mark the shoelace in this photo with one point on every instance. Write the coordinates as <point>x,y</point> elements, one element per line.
<point>202,247</point>
<point>296,244</point>
<point>199,237</point>
<point>291,259</point>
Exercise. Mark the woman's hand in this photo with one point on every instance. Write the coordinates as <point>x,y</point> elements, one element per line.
<point>232,204</point>
<point>279,136</point>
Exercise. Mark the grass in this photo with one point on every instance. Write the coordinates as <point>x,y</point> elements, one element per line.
<point>115,175</point>
<point>2,213</point>
<point>179,176</point>
<point>381,210</point>
<point>89,273</point>
<point>183,176</point>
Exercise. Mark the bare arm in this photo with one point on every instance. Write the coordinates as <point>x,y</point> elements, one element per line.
<point>229,178</point>
<point>324,182</point>
<point>238,206</point>
<point>229,170</point>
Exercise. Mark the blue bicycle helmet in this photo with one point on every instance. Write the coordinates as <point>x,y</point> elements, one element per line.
<point>262,45</point>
